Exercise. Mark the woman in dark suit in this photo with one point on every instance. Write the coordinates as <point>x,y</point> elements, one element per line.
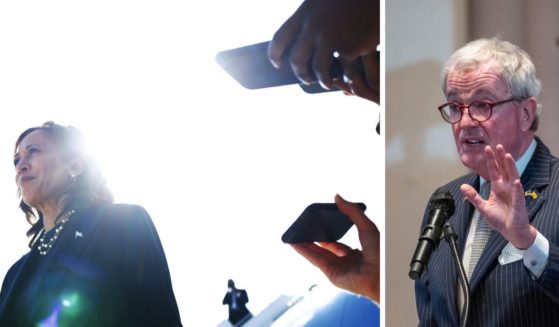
<point>92,262</point>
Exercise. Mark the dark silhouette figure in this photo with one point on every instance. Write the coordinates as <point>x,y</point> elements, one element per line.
<point>237,300</point>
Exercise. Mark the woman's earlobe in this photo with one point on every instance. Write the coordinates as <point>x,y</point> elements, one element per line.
<point>76,169</point>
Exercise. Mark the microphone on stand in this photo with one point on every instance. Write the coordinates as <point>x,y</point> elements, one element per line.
<point>441,208</point>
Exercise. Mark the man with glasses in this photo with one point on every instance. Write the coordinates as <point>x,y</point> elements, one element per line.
<point>507,236</point>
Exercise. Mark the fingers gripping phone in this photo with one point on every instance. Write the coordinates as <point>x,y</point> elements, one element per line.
<point>319,222</point>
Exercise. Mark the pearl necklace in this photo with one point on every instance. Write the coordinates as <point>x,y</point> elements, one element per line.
<point>44,247</point>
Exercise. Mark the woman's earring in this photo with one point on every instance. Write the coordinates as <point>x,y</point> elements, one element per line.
<point>73,176</point>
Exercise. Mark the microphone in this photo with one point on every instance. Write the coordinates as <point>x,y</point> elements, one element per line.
<point>441,208</point>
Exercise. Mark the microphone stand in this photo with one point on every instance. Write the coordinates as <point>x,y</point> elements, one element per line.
<point>451,238</point>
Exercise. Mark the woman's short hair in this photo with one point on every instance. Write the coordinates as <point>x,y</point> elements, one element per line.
<point>89,187</point>
<point>515,64</point>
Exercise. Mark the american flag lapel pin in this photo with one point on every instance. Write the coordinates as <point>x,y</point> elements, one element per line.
<point>78,234</point>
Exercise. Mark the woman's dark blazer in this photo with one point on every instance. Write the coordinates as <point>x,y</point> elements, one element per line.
<point>107,268</point>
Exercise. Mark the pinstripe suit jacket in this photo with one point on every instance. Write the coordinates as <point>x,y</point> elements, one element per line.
<point>502,295</point>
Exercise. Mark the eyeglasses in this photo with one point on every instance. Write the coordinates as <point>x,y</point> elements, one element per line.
<point>479,111</point>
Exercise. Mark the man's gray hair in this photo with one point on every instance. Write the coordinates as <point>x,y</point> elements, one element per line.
<point>514,63</point>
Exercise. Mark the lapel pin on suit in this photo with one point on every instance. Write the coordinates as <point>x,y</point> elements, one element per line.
<point>533,194</point>
<point>78,234</point>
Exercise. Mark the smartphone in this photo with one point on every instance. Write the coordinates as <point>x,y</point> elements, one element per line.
<point>319,222</point>
<point>250,66</point>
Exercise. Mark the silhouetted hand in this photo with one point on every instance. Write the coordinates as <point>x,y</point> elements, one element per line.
<point>357,271</point>
<point>321,27</point>
<point>364,82</point>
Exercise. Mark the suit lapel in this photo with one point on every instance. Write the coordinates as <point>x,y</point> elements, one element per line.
<point>536,178</point>
<point>459,221</point>
<point>77,236</point>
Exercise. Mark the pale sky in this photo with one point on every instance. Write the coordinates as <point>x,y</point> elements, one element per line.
<point>222,170</point>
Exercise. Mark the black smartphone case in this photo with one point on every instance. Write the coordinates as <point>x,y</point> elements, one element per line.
<point>250,66</point>
<point>319,222</point>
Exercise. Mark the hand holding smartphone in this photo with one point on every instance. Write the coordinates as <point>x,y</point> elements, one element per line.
<point>250,66</point>
<point>319,222</point>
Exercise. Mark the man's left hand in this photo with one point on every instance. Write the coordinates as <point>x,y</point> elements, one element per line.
<point>505,209</point>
